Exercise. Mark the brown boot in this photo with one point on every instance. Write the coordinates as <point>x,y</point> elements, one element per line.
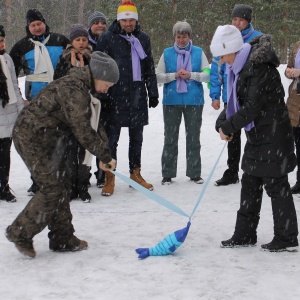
<point>25,246</point>
<point>137,177</point>
<point>109,186</point>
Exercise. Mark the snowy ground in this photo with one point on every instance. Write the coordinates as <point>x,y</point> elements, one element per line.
<point>115,226</point>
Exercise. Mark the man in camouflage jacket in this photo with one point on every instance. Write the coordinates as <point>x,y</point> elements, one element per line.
<point>62,108</point>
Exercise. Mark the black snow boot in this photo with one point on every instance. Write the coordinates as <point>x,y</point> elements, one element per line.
<point>84,194</point>
<point>228,178</point>
<point>6,195</point>
<point>236,242</point>
<point>279,246</point>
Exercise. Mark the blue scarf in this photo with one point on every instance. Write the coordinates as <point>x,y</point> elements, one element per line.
<point>137,54</point>
<point>232,78</point>
<point>250,31</point>
<point>183,62</point>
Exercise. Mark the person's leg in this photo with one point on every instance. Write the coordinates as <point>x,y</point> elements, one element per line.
<point>193,121</point>
<point>230,175</point>
<point>135,147</point>
<point>134,154</point>
<point>5,145</point>
<point>172,119</point>
<point>83,176</point>
<point>47,167</point>
<point>113,133</point>
<point>296,132</point>
<point>248,214</point>
<point>72,165</point>
<point>5,193</point>
<point>284,213</point>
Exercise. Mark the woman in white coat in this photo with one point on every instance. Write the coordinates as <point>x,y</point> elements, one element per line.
<point>11,103</point>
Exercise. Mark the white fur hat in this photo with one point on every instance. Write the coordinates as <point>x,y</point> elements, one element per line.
<point>226,40</point>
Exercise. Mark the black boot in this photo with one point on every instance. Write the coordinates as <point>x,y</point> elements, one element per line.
<point>5,194</point>
<point>101,179</point>
<point>228,178</point>
<point>296,188</point>
<point>84,193</point>
<point>278,246</point>
<point>235,242</point>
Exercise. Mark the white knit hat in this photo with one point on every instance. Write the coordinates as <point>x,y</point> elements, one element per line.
<point>226,40</point>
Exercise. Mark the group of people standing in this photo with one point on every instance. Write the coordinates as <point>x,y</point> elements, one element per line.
<point>65,124</point>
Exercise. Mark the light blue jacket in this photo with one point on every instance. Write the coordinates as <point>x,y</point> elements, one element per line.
<point>194,94</point>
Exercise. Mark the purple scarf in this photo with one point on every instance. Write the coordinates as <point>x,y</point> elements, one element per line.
<point>297,60</point>
<point>137,54</point>
<point>183,62</point>
<point>232,78</point>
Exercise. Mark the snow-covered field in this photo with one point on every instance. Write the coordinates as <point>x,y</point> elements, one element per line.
<point>114,226</point>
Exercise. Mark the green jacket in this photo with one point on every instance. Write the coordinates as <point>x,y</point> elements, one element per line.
<point>63,108</point>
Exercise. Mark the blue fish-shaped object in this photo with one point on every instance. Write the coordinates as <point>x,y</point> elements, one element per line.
<point>167,246</point>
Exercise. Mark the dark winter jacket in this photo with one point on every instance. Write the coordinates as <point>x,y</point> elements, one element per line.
<point>64,64</point>
<point>126,102</point>
<point>63,108</point>
<point>22,54</point>
<point>269,151</point>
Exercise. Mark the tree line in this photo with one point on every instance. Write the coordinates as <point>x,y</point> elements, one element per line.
<point>276,17</point>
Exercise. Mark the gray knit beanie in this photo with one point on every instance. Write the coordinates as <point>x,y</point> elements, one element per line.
<point>78,30</point>
<point>242,11</point>
<point>103,67</point>
<point>95,17</point>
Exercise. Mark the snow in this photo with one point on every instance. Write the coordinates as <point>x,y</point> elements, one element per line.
<point>114,226</point>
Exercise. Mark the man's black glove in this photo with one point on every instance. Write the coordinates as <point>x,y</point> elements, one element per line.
<point>153,102</point>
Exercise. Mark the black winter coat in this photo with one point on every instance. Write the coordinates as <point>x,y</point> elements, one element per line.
<point>126,102</point>
<point>269,151</point>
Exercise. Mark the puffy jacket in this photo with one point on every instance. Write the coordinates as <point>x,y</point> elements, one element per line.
<point>22,54</point>
<point>9,113</point>
<point>126,103</point>
<point>63,108</point>
<point>269,150</point>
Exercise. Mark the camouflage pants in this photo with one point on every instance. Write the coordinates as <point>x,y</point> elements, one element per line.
<point>50,205</point>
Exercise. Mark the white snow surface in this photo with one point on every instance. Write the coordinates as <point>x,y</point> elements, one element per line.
<point>114,226</point>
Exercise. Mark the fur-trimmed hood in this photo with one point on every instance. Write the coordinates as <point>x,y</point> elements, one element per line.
<point>262,51</point>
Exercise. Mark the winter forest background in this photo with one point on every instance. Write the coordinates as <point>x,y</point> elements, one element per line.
<point>280,18</point>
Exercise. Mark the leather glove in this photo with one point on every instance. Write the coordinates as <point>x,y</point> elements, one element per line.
<point>153,102</point>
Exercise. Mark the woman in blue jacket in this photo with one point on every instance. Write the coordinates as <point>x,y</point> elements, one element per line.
<point>182,68</point>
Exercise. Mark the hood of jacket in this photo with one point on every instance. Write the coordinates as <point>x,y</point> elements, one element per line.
<point>262,51</point>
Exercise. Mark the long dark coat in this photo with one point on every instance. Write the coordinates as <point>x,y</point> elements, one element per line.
<point>269,151</point>
<point>126,102</point>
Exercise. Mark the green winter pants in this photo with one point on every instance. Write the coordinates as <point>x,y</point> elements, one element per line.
<point>50,206</point>
<point>172,120</point>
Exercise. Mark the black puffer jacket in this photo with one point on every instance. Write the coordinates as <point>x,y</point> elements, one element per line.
<point>269,151</point>
<point>126,102</point>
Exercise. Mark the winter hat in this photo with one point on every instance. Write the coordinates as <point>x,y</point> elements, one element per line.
<point>78,30</point>
<point>95,17</point>
<point>242,11</point>
<point>34,15</point>
<point>2,31</point>
<point>127,10</point>
<point>103,67</point>
<point>227,39</point>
